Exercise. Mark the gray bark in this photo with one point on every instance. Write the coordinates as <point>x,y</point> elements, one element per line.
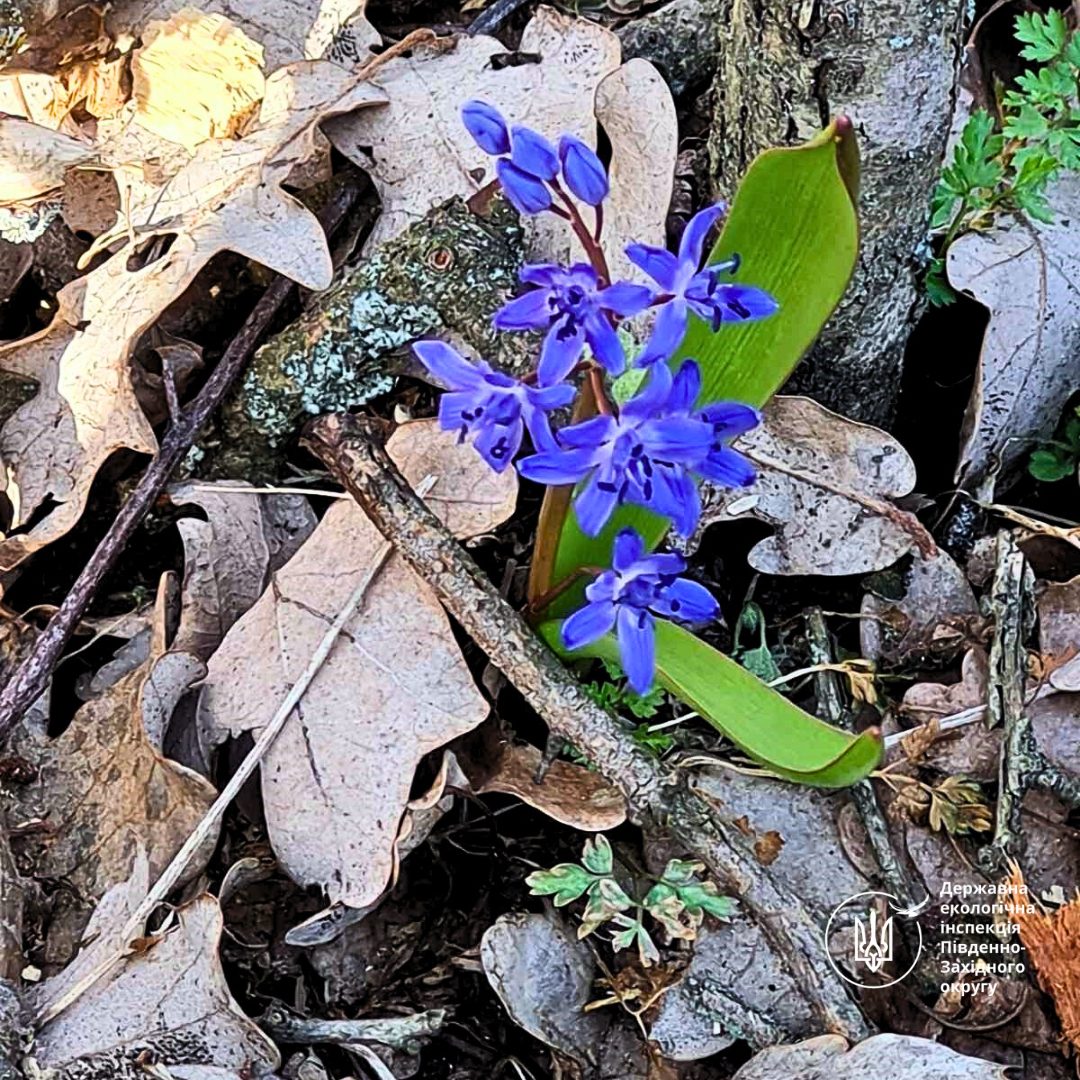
<point>784,70</point>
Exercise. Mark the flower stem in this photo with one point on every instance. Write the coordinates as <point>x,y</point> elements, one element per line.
<point>539,603</point>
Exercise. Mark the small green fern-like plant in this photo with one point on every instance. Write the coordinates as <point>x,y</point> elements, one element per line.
<point>678,901</point>
<point>1003,169</point>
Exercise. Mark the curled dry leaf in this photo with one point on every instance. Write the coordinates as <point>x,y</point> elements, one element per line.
<point>34,160</point>
<point>228,197</point>
<point>569,793</point>
<point>416,166</point>
<point>825,483</point>
<point>226,557</point>
<point>1027,274</point>
<point>104,787</point>
<point>196,77</point>
<point>336,782</point>
<point>827,1057</point>
<point>170,1003</point>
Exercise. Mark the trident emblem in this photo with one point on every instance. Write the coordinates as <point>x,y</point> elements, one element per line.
<point>874,945</point>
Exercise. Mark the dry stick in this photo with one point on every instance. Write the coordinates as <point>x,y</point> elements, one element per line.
<point>175,870</point>
<point>656,796</point>
<point>32,675</point>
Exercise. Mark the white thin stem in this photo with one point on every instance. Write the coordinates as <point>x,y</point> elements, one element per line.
<point>224,489</point>
<point>175,870</point>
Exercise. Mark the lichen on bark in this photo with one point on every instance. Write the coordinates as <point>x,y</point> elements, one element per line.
<point>890,65</point>
<point>444,276</point>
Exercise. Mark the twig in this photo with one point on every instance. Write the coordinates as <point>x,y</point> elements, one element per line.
<point>175,870</point>
<point>399,1032</point>
<point>831,702</point>
<point>656,795</point>
<point>32,675</point>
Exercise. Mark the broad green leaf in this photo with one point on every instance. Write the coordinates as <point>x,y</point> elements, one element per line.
<point>762,723</point>
<point>566,882</point>
<point>793,223</point>
<point>598,856</point>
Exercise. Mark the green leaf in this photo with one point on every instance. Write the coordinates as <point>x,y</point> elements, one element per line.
<point>762,723</point>
<point>566,882</point>
<point>793,223</point>
<point>1044,35</point>
<point>606,900</point>
<point>938,290</point>
<point>1051,465</point>
<point>636,932</point>
<point>597,855</point>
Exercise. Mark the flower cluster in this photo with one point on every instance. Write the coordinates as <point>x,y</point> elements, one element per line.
<point>652,451</point>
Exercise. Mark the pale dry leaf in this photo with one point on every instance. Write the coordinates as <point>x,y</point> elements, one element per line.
<point>196,77</point>
<point>288,30</point>
<point>34,160</point>
<point>417,150</point>
<point>98,86</point>
<point>1027,274</point>
<point>336,782</point>
<point>227,198</point>
<point>1059,631</point>
<point>637,113</point>
<point>104,786</point>
<point>569,793</point>
<point>825,483</point>
<point>170,1001</point>
<point>827,1057</point>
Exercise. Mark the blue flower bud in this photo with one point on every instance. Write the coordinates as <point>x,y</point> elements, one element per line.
<point>532,153</point>
<point>583,171</point>
<point>486,125</point>
<point>526,194</point>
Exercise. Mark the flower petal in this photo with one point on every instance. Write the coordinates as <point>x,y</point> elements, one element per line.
<point>675,495</point>
<point>587,624</point>
<point>448,366</point>
<point>596,501</point>
<point>530,311</point>
<point>676,438</point>
<point>667,334</point>
<point>589,433</point>
<point>658,263</point>
<point>583,171</point>
<point>541,273</point>
<point>527,195</point>
<point>486,125</point>
<point>533,154</point>
<point>697,229</point>
<point>739,303</point>
<point>686,388</point>
<point>605,343</point>
<point>652,397</point>
<point>451,407</point>
<point>727,467</point>
<point>637,646</point>
<point>498,444</point>
<point>625,298</point>
<point>687,600</point>
<point>562,348</point>
<point>557,466</point>
<point>730,419</point>
<point>627,549</point>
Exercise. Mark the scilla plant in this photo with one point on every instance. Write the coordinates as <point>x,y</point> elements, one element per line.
<point>648,428</point>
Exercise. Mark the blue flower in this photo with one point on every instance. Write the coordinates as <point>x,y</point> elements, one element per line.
<point>583,171</point>
<point>728,420</point>
<point>645,456</point>
<point>628,596</point>
<point>573,308</point>
<point>684,288</point>
<point>493,407</point>
<point>486,125</point>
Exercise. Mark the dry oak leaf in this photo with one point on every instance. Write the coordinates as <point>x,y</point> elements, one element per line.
<point>336,782</point>
<point>34,160</point>
<point>1027,274</point>
<point>825,483</point>
<point>169,1005</point>
<point>827,1057</point>
<point>227,198</point>
<point>104,786</point>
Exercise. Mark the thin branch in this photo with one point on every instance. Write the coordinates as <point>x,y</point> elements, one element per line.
<point>656,795</point>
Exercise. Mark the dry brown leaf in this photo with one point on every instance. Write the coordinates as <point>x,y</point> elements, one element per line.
<point>228,197</point>
<point>196,77</point>
<point>1028,275</point>
<point>227,556</point>
<point>34,160</point>
<point>569,793</point>
<point>1053,943</point>
<point>103,787</point>
<point>336,782</point>
<point>169,1003</point>
<point>417,149</point>
<point>825,483</point>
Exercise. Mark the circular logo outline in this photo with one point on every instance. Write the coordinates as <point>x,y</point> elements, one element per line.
<point>898,907</point>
